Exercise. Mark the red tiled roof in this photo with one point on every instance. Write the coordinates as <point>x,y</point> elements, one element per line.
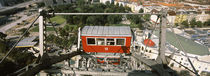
<point>170,5</point>
<point>149,43</point>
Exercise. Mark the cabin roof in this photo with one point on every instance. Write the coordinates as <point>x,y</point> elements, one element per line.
<point>27,42</point>
<point>106,31</point>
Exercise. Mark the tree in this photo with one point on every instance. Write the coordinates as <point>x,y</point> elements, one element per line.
<point>140,3</point>
<point>63,33</point>
<point>50,38</point>
<point>81,3</point>
<point>135,19</point>
<point>147,17</point>
<point>76,19</point>
<point>176,24</point>
<point>140,26</point>
<point>127,9</point>
<point>185,23</point>
<point>93,8</point>
<point>107,3</point>
<point>114,19</point>
<point>199,24</point>
<point>207,23</point>
<point>141,11</point>
<point>117,5</point>
<point>193,22</point>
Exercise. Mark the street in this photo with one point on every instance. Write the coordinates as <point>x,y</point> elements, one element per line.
<point>18,5</point>
<point>12,24</point>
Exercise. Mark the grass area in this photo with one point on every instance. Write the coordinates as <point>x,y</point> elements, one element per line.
<point>58,19</point>
<point>70,25</point>
<point>36,29</point>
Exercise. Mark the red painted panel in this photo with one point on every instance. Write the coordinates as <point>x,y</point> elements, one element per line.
<point>115,62</point>
<point>107,48</point>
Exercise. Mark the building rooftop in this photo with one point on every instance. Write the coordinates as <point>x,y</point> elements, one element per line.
<point>27,42</point>
<point>106,31</point>
<point>188,45</point>
<point>170,5</point>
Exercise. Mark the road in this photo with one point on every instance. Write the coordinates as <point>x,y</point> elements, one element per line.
<point>18,5</point>
<point>12,24</point>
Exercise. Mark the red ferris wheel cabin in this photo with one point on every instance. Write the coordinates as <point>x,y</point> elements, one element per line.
<point>106,39</point>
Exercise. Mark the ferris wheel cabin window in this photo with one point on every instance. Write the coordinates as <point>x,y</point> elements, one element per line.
<point>106,41</point>
<point>91,41</point>
<point>120,42</point>
<point>110,41</point>
<point>100,41</point>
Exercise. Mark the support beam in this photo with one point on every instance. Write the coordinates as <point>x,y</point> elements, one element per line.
<point>103,13</point>
<point>78,40</point>
<point>162,40</point>
<point>41,34</point>
<point>44,64</point>
<point>98,73</point>
<point>152,64</point>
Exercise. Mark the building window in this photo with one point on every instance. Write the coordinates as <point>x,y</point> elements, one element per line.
<point>91,41</point>
<point>110,41</point>
<point>142,48</point>
<point>181,58</point>
<point>150,51</point>
<point>120,42</point>
<point>205,68</point>
<point>100,41</point>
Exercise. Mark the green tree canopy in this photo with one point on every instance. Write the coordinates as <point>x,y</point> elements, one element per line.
<point>92,8</point>
<point>141,11</point>
<point>199,24</point>
<point>207,23</point>
<point>147,17</point>
<point>185,23</point>
<point>193,22</point>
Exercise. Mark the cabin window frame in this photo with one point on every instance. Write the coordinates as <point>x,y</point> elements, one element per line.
<point>105,41</point>
<point>100,38</point>
<point>120,38</point>
<point>93,38</point>
<point>110,41</point>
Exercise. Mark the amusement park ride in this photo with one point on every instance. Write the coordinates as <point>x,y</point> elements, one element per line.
<point>105,50</point>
